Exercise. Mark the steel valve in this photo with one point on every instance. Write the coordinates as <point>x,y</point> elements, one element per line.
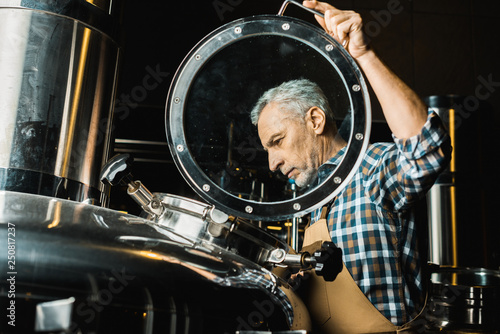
<point>326,261</point>
<point>117,171</point>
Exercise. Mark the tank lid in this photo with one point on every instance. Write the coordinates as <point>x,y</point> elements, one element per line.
<point>214,144</point>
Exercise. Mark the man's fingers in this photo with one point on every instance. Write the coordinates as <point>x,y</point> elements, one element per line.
<point>343,30</point>
<point>319,6</point>
<point>337,24</point>
<point>343,25</point>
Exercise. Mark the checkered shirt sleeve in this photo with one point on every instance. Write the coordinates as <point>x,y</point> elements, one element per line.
<point>372,221</point>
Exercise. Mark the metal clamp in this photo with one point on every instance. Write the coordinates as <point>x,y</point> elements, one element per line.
<point>216,221</point>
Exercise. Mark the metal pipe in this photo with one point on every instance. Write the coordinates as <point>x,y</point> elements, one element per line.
<point>296,3</point>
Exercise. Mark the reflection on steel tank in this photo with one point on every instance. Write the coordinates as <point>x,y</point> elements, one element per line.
<point>58,67</point>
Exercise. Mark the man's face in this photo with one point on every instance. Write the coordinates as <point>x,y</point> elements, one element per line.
<point>290,143</point>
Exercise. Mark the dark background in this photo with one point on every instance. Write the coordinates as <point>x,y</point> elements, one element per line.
<point>437,47</point>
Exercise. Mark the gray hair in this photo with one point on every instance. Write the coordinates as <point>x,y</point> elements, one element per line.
<point>296,96</point>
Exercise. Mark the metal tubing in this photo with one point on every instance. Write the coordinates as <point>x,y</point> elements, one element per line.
<point>296,3</point>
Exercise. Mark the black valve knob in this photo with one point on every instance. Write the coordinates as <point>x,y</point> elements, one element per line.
<point>117,170</point>
<point>328,261</point>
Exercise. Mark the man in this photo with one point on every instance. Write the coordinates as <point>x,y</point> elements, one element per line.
<point>372,220</point>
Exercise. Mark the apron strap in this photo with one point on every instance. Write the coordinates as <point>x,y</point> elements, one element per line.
<point>324,212</point>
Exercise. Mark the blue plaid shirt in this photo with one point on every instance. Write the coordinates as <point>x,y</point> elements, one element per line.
<point>372,219</point>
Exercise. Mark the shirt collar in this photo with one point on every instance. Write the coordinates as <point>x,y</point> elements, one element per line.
<point>327,168</point>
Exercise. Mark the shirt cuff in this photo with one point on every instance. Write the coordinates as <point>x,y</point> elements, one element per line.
<point>431,138</point>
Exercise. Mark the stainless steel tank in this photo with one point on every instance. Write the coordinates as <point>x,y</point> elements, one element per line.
<point>79,268</point>
<point>462,299</point>
<point>58,67</point>
<point>441,198</point>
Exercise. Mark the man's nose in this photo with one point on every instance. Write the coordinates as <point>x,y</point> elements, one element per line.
<point>275,161</point>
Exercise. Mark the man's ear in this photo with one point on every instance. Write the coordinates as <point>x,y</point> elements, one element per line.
<point>316,118</point>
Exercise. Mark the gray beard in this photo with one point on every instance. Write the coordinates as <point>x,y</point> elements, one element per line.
<point>307,178</point>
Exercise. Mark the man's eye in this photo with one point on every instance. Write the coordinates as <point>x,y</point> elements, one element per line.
<point>278,141</point>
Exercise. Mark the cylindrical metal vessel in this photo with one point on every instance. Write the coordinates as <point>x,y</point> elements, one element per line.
<point>464,300</point>
<point>441,197</point>
<point>58,67</point>
<point>441,231</point>
<point>79,268</point>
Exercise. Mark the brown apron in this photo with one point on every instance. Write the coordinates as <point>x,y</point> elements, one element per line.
<point>340,306</point>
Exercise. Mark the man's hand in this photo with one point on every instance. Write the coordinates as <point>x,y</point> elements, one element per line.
<point>404,111</point>
<point>344,25</point>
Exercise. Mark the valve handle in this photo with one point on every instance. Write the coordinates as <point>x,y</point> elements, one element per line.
<point>117,170</point>
<point>328,261</point>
